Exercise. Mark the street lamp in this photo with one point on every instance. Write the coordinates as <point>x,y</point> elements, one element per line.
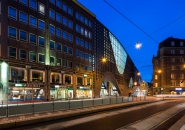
<point>104,60</point>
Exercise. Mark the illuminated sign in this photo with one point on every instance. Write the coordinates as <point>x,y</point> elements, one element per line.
<point>85,75</point>
<point>19,85</point>
<point>178,88</point>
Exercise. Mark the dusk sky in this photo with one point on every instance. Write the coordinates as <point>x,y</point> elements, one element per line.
<point>150,16</point>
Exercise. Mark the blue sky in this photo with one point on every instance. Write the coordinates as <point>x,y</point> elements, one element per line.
<point>150,16</point>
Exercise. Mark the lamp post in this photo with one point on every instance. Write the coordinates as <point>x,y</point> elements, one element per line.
<point>159,72</point>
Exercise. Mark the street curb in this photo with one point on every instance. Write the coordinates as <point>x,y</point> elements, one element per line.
<point>19,123</point>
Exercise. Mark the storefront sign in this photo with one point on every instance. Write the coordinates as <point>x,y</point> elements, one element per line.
<point>178,88</point>
<point>19,85</point>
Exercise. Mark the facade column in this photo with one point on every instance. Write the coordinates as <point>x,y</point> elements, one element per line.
<point>47,83</point>
<point>4,71</point>
<point>74,77</point>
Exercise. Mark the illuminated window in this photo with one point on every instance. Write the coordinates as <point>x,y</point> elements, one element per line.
<point>41,58</point>
<point>156,76</point>
<point>172,43</point>
<point>41,8</point>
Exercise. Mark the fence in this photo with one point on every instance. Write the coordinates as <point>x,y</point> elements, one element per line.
<point>7,110</point>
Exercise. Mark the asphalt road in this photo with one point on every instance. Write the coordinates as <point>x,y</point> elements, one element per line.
<point>105,121</point>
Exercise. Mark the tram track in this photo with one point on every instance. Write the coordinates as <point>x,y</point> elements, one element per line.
<point>161,125</point>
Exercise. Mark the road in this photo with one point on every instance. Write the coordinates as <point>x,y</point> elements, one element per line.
<point>118,118</point>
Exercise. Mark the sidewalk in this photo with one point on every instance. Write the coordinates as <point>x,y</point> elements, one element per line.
<point>10,122</point>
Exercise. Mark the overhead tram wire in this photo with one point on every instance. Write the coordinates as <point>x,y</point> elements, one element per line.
<point>130,21</point>
<point>160,28</point>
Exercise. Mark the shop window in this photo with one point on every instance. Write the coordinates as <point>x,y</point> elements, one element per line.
<point>33,4</point>
<point>23,54</point>
<point>32,57</point>
<point>17,75</point>
<point>70,64</point>
<point>41,25</point>
<point>64,63</point>
<point>58,32</point>
<point>41,41</point>
<point>79,80</point>
<point>64,49</point>
<point>52,61</point>
<point>12,13</point>
<point>67,79</point>
<point>33,21</point>
<point>12,52</point>
<point>23,35</point>
<point>58,62</point>
<point>37,76</point>
<point>70,11</point>
<point>41,58</point>
<point>58,17</point>
<point>41,8</point>
<point>52,45</point>
<point>23,17</point>
<point>12,32</point>
<point>32,39</point>
<point>58,46</point>
<point>70,50</point>
<point>52,14</point>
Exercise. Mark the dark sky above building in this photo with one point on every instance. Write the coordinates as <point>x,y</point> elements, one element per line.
<point>164,17</point>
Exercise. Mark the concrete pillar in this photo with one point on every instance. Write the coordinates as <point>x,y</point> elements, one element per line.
<point>74,79</point>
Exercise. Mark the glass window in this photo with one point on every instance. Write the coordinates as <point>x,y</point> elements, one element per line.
<point>58,32</point>
<point>64,63</point>
<point>58,3</point>
<point>77,28</point>
<point>23,17</point>
<point>86,56</point>
<point>81,55</point>
<point>33,21</point>
<point>41,25</point>
<point>82,43</point>
<point>33,4</point>
<point>70,11</point>
<point>12,12</point>
<point>70,64</point>
<point>41,58</point>
<point>90,58</point>
<point>90,35</point>
<point>58,17</point>
<point>12,52</point>
<point>86,21</point>
<point>58,46</point>
<point>77,66</point>
<point>82,30</point>
<point>86,45</point>
<point>33,39</point>
<point>77,41</point>
<point>58,62</point>
<point>86,33</point>
<point>17,74</point>
<point>52,61</point>
<point>41,8</point>
<point>24,1</point>
<point>12,32</point>
<point>64,21</point>
<point>37,76</point>
<point>52,45</point>
<point>85,68</point>
<point>52,29</point>
<point>64,7</point>
<point>181,51</point>
<point>65,49</point>
<point>52,14</point>
<point>172,43</point>
<point>70,24</point>
<point>70,37</point>
<point>64,35</point>
<point>77,52</point>
<point>32,57</point>
<point>70,50</point>
<point>77,15</point>
<point>52,1</point>
<point>90,24</point>
<point>23,54</point>
<point>41,41</point>
<point>23,35</point>
<point>90,46</point>
<point>82,18</point>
